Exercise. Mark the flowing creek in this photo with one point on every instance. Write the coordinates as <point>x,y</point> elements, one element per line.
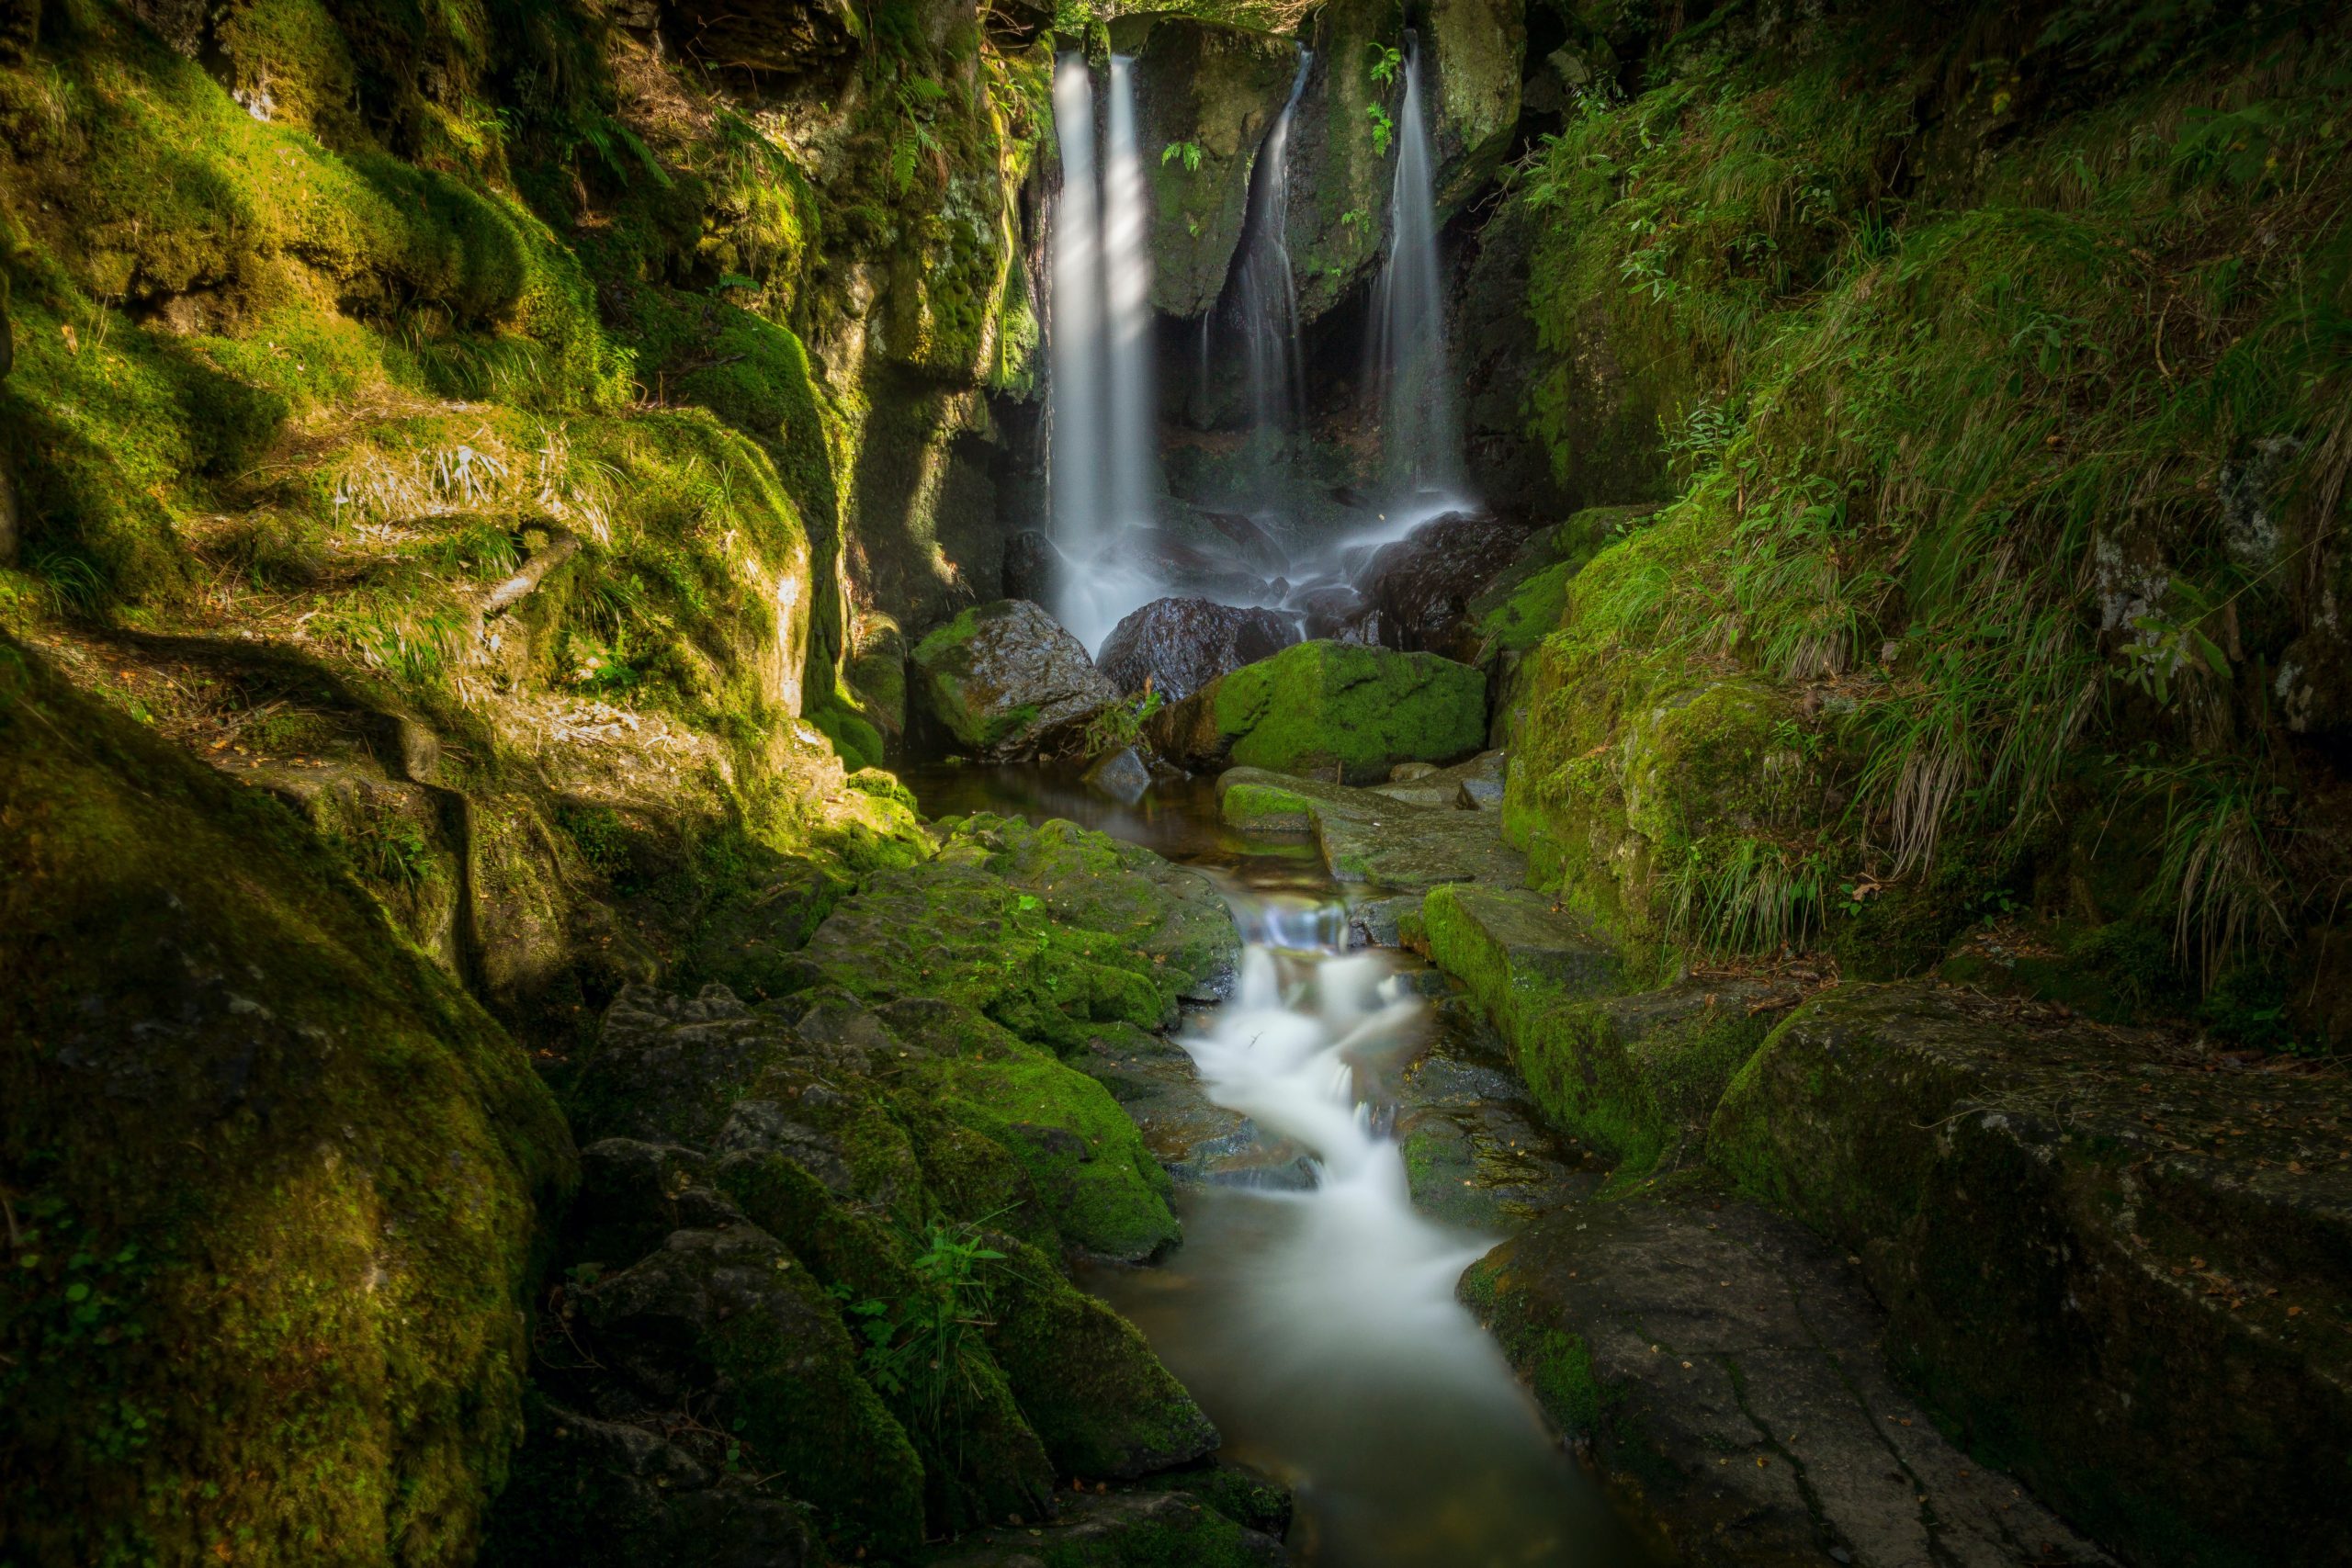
<point>1310,1307</point>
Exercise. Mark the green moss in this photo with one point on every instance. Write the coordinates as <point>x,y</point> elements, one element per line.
<point>1265,808</point>
<point>1088,1384</point>
<point>276,1299</point>
<point>1079,1151</point>
<point>1317,706</point>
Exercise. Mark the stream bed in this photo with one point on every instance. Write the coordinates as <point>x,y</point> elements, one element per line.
<point>1310,1307</point>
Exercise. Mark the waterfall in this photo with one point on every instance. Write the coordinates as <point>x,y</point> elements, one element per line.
<point>1266,306</point>
<point>1420,423</point>
<point>1101,460</point>
<point>1075,466</point>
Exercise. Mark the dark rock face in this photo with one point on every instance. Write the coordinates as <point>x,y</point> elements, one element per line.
<point>1177,646</point>
<point>763,35</point>
<point>1032,567</point>
<point>1420,587</point>
<point>2051,1212</point>
<point>1006,682</point>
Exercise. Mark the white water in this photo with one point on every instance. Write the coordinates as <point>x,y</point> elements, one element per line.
<point>1103,457</point>
<point>1420,419</point>
<point>1319,1328</point>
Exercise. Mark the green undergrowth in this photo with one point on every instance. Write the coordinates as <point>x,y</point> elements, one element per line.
<point>2000,383</point>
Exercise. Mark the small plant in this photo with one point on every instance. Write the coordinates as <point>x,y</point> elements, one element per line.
<point>1119,725</point>
<point>1185,152</point>
<point>1385,63</point>
<point>925,1352</point>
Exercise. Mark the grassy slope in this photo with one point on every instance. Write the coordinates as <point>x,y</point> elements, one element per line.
<point>2000,373</point>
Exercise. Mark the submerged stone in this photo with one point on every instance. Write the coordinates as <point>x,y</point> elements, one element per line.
<point>1006,682</point>
<point>1331,708</point>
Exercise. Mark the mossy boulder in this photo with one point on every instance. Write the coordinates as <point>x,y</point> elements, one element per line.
<point>1370,836</point>
<point>1210,92</point>
<point>1656,795</point>
<point>1331,707</point>
<point>2112,1270</point>
<point>1527,600</point>
<point>1636,1076</point>
<point>274,1179</point>
<point>729,1314</point>
<point>1096,1394</point>
<point>1051,931</point>
<point>1005,682</point>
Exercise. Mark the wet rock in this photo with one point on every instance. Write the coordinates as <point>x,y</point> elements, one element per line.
<point>1005,682</point>
<point>1475,1148</point>
<point>1032,567</point>
<point>1721,1368</point>
<point>1326,707</point>
<point>2051,1209</point>
<point>1421,586</point>
<point>1119,1529</point>
<point>1367,837</point>
<point>1213,88</point>
<point>1122,775</point>
<point>1177,646</point>
<point>1335,611</point>
<point>1474,785</point>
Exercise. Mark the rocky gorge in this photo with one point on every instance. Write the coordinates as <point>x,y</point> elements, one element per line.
<point>1656,879</point>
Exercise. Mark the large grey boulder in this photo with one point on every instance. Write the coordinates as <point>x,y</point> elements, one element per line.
<point>1177,646</point>
<point>1006,682</point>
<point>1217,88</point>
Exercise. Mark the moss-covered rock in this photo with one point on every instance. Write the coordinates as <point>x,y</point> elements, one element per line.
<point>2061,1218</point>
<point>1206,94</point>
<point>1325,707</point>
<point>1086,1381</point>
<point>1476,48</point>
<point>1635,1076</point>
<point>1079,1152</point>
<point>1339,184</point>
<point>274,1177</point>
<point>1005,682</point>
<point>1372,836</point>
<point>729,1313</point>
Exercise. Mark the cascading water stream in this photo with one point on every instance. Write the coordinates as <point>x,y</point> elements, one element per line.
<point>1319,1326</point>
<point>1421,417</point>
<point>1102,457</point>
